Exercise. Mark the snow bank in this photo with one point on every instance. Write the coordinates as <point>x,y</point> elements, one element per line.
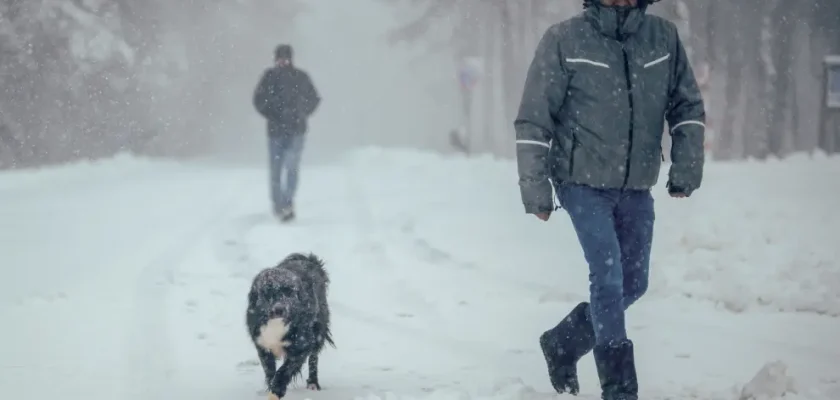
<point>756,234</point>
<point>774,382</point>
<point>771,382</point>
<point>123,165</point>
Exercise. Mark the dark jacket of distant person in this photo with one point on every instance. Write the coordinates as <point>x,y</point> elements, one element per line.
<point>285,95</point>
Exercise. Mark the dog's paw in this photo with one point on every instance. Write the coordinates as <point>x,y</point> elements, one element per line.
<point>272,396</point>
<point>312,384</point>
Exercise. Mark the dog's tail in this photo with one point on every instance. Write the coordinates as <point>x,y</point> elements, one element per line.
<point>328,338</point>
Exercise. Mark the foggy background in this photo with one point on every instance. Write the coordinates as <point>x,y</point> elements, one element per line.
<point>127,278</point>
<point>91,78</point>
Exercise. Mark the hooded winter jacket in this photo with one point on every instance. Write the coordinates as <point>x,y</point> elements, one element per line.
<point>286,98</point>
<point>597,95</point>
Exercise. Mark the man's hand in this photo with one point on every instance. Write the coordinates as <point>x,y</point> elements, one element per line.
<point>678,195</point>
<point>543,216</point>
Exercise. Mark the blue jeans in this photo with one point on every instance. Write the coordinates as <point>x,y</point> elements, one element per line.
<point>284,159</point>
<point>615,230</point>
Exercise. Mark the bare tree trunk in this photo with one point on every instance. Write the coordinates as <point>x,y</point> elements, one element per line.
<point>523,25</point>
<point>734,61</point>
<point>825,40</point>
<point>508,70</point>
<point>754,131</point>
<point>537,25</point>
<point>490,39</point>
<point>783,21</point>
<point>795,120</point>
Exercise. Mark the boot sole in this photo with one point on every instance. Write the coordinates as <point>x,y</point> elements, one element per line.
<point>561,384</point>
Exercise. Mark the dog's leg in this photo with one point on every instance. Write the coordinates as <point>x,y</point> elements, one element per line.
<point>312,381</point>
<point>269,364</point>
<point>291,367</point>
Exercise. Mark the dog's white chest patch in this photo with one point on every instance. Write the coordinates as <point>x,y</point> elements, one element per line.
<point>272,335</point>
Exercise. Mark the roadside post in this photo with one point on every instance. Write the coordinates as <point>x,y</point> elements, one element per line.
<point>470,71</point>
<point>829,138</point>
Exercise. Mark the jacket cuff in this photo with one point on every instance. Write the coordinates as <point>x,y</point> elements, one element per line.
<point>538,208</point>
<point>682,189</point>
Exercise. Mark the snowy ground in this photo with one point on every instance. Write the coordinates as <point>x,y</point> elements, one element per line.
<point>127,279</point>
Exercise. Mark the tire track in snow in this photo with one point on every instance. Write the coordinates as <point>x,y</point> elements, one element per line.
<point>150,354</point>
<point>231,248</point>
<point>404,240</point>
<point>379,242</point>
<point>474,350</point>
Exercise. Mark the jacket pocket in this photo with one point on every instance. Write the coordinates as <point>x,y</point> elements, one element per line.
<point>572,150</point>
<point>657,61</point>
<point>654,77</point>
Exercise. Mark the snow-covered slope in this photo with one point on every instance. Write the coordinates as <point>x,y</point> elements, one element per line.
<point>127,279</point>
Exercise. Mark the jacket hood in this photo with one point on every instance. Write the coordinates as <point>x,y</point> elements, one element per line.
<point>617,22</point>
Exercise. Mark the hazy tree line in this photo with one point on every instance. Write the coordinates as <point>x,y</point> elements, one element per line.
<point>760,62</point>
<point>90,78</point>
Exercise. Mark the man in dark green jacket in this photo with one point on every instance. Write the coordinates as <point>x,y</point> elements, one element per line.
<point>597,96</point>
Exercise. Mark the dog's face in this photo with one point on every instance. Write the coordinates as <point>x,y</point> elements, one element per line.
<point>279,294</point>
<point>278,303</point>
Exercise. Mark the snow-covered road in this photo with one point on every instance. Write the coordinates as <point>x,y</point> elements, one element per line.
<point>127,279</point>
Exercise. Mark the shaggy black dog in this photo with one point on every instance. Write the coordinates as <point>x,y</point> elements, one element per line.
<point>288,318</point>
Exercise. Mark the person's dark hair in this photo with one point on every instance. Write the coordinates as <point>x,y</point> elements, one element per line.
<point>283,51</point>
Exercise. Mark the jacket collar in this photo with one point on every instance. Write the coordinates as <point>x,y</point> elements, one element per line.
<point>609,21</point>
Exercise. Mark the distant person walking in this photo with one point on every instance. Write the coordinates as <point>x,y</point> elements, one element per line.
<point>597,96</point>
<point>286,97</point>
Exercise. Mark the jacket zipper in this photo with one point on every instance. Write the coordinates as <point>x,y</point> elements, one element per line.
<point>630,100</point>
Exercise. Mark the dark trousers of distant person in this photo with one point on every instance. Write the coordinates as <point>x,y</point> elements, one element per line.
<point>285,151</point>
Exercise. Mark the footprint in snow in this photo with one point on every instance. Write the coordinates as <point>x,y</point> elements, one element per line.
<point>248,365</point>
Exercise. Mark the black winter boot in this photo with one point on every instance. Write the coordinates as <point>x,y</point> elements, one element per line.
<point>564,345</point>
<point>617,371</point>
